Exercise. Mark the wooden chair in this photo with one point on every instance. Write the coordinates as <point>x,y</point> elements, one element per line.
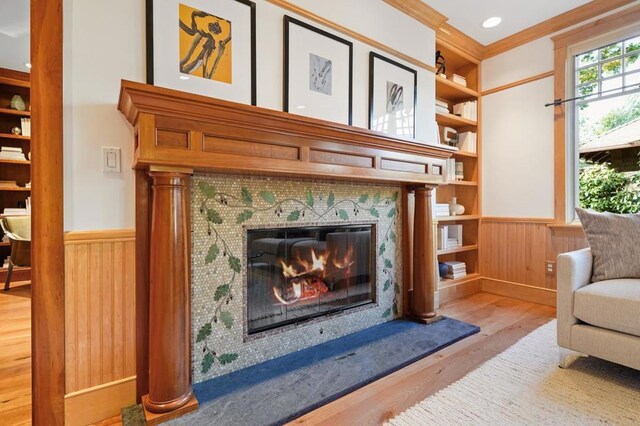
<point>18,229</point>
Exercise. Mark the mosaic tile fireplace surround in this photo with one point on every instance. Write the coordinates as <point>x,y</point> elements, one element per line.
<point>281,264</point>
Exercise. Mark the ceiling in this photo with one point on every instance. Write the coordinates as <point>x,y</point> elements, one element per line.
<point>14,34</point>
<point>468,15</point>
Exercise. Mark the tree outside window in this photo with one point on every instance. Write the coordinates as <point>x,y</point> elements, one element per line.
<point>608,127</point>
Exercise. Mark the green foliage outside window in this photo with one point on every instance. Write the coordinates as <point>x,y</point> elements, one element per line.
<point>602,188</point>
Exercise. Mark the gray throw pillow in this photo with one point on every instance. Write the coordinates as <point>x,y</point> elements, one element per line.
<point>615,244</point>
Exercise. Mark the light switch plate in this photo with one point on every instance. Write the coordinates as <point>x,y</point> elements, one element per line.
<point>110,159</point>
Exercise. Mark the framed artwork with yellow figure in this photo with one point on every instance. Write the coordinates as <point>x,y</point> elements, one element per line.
<point>204,47</point>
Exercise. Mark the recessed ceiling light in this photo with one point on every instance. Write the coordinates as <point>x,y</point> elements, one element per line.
<point>184,77</point>
<point>301,107</point>
<point>492,22</point>
<point>28,65</point>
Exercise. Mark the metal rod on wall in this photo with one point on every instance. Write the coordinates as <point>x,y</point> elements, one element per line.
<point>558,102</point>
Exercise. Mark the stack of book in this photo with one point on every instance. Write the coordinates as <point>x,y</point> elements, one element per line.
<point>458,79</point>
<point>441,209</point>
<point>468,141</point>
<point>25,124</point>
<point>468,110</point>
<point>442,107</point>
<point>449,237</point>
<point>456,269</point>
<point>454,170</point>
<point>8,184</point>
<point>11,153</point>
<point>15,212</point>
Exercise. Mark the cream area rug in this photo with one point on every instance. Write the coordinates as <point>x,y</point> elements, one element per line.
<point>524,386</point>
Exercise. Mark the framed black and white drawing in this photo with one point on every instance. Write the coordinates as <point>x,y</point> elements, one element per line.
<point>203,46</point>
<point>318,72</point>
<point>392,97</point>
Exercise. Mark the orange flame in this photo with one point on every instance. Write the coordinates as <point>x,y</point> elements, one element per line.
<point>346,260</point>
<point>288,271</point>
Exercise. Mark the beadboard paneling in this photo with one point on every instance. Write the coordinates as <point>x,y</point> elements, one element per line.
<point>513,251</point>
<point>99,308</point>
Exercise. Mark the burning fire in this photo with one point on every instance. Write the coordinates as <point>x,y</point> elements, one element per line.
<point>309,283</point>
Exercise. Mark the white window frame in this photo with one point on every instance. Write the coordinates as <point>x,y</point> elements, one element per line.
<point>573,156</point>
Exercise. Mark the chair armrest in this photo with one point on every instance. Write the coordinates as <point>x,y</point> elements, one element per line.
<point>574,272</point>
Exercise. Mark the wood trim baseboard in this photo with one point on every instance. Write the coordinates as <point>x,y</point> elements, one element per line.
<point>495,219</point>
<point>100,402</point>
<point>350,33</point>
<point>459,291</point>
<point>543,296</point>
<point>552,25</point>
<point>83,237</point>
<point>519,83</point>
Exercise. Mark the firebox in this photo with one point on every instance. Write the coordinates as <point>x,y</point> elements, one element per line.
<point>297,274</point>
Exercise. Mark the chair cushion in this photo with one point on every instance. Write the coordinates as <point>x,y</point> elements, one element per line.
<point>613,239</point>
<point>612,304</point>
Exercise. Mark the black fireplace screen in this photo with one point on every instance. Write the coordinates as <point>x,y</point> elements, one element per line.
<point>295,274</point>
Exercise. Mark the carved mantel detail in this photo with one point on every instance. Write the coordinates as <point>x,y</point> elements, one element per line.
<point>177,133</point>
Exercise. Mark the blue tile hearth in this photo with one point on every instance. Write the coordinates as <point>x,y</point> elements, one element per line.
<point>279,390</point>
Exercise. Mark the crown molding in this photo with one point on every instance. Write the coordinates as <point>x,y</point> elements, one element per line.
<point>420,11</point>
<point>557,23</point>
<point>454,37</point>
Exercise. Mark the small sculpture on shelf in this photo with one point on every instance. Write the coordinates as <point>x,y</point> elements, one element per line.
<point>16,130</point>
<point>455,209</point>
<point>440,64</point>
<point>17,103</point>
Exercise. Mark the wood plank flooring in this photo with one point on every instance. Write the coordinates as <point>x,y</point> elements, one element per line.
<point>503,322</point>
<point>15,355</point>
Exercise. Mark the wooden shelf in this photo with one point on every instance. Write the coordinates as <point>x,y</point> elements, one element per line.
<point>9,111</point>
<point>12,136</point>
<point>458,250</point>
<point>446,282</point>
<point>453,92</point>
<point>455,218</point>
<point>3,244</point>
<point>22,162</point>
<point>465,154</point>
<point>16,188</point>
<point>462,183</point>
<point>454,121</point>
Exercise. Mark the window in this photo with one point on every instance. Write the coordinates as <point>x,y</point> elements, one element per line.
<point>607,126</point>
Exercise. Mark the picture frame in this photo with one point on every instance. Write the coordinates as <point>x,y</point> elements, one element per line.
<point>393,96</point>
<point>203,47</point>
<point>318,73</point>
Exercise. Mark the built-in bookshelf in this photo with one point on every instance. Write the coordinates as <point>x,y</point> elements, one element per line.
<point>465,87</point>
<point>15,167</point>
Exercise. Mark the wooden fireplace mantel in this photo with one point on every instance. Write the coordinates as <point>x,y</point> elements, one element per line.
<point>179,133</point>
<point>180,129</point>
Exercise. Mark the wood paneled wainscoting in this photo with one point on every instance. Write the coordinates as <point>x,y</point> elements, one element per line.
<point>99,324</point>
<point>515,253</point>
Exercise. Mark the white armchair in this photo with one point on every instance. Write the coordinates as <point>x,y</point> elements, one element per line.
<point>600,319</point>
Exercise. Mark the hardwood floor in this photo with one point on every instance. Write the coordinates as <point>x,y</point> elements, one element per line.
<point>503,322</point>
<point>15,355</point>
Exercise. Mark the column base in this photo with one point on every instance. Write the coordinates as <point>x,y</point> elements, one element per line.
<point>157,418</point>
<point>422,320</point>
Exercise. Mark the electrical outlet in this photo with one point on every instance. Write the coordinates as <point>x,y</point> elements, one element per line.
<point>550,267</point>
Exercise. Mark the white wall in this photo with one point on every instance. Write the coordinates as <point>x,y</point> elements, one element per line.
<point>104,42</point>
<point>517,134</point>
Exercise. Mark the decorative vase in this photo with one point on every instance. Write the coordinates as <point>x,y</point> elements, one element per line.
<point>18,103</point>
<point>455,209</point>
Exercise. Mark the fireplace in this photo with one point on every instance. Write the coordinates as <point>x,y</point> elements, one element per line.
<point>300,273</point>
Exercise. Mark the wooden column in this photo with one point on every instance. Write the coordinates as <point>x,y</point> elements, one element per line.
<point>424,283</point>
<point>169,293</point>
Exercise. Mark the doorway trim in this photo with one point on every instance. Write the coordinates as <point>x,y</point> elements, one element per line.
<point>47,272</point>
